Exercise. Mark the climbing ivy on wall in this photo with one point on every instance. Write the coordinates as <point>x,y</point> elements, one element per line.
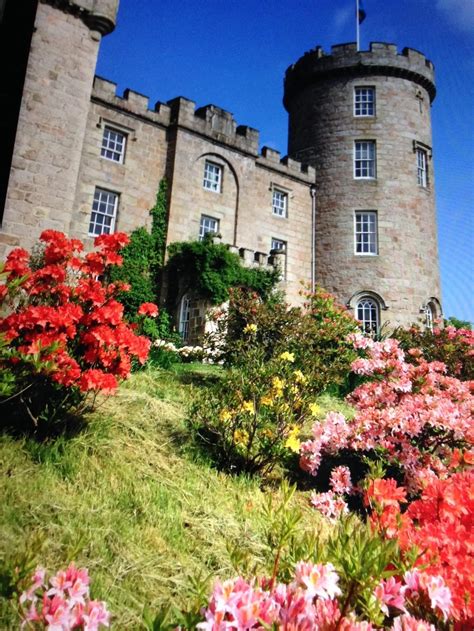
<point>209,270</point>
<point>143,261</point>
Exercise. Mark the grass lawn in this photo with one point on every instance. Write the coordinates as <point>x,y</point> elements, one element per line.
<point>129,498</point>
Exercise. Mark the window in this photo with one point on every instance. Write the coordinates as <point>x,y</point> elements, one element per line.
<point>212,177</point>
<point>429,316</point>
<point>184,313</point>
<point>113,145</point>
<point>278,244</point>
<point>364,159</point>
<point>366,232</point>
<point>104,212</point>
<point>208,225</point>
<point>367,312</point>
<point>280,203</point>
<point>364,101</point>
<point>421,163</point>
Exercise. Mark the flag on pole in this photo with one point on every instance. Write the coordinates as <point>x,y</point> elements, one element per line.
<point>361,14</point>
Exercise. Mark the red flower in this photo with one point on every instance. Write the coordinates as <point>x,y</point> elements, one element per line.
<point>148,309</point>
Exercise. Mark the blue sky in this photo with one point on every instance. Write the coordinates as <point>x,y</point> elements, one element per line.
<point>234,54</point>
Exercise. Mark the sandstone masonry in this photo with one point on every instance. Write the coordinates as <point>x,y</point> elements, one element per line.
<point>87,160</point>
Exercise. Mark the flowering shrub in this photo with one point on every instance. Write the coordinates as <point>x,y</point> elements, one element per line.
<point>62,603</point>
<point>314,600</point>
<point>454,347</point>
<point>441,525</point>
<point>252,417</point>
<point>316,334</point>
<point>414,416</point>
<point>65,329</point>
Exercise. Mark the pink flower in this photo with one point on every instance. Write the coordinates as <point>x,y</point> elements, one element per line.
<point>340,481</point>
<point>438,593</point>
<point>318,580</point>
<point>328,504</point>
<point>408,623</point>
<point>96,615</point>
<point>389,593</point>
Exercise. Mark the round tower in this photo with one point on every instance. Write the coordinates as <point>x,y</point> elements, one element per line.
<point>362,118</point>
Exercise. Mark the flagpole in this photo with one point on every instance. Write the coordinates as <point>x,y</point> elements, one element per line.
<point>357,26</point>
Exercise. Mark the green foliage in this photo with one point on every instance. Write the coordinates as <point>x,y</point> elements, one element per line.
<point>210,270</point>
<point>457,323</point>
<point>251,419</point>
<point>141,269</point>
<point>451,346</point>
<point>316,334</point>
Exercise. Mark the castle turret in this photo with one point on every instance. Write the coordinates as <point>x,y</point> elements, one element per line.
<point>363,120</point>
<point>53,115</point>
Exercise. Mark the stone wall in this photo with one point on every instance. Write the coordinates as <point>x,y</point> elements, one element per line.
<point>52,122</point>
<point>323,129</point>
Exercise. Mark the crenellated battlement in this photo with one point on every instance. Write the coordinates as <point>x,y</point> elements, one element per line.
<point>98,16</point>
<point>210,121</point>
<point>271,159</point>
<point>344,59</point>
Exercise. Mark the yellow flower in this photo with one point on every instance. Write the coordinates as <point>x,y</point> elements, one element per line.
<point>289,357</point>
<point>240,437</point>
<point>225,416</point>
<point>299,377</point>
<point>314,409</point>
<point>250,328</point>
<point>294,389</point>
<point>293,443</point>
<point>266,400</point>
<point>278,384</point>
<point>248,406</point>
<point>267,433</point>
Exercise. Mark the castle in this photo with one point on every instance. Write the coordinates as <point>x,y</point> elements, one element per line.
<point>351,207</point>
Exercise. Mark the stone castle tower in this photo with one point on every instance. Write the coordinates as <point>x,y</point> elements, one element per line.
<point>363,120</point>
<point>351,206</point>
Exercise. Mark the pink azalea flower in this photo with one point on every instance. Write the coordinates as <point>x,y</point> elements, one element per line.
<point>318,580</point>
<point>408,623</point>
<point>389,593</point>
<point>340,480</point>
<point>96,615</point>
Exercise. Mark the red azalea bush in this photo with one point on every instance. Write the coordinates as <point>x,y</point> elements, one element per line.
<point>441,525</point>
<point>413,416</point>
<point>65,332</point>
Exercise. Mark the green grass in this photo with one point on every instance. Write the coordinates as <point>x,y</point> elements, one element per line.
<point>129,499</point>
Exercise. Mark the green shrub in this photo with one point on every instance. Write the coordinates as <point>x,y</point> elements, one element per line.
<point>316,334</point>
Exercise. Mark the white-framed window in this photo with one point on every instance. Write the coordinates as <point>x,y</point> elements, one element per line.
<point>279,203</point>
<point>429,316</point>
<point>113,144</point>
<point>104,212</point>
<point>422,167</point>
<point>364,101</point>
<point>184,315</point>
<point>364,159</point>
<point>212,176</point>
<point>368,313</point>
<point>365,232</point>
<point>278,244</point>
<point>208,225</point>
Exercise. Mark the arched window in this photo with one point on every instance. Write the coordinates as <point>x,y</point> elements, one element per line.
<point>368,314</point>
<point>430,315</point>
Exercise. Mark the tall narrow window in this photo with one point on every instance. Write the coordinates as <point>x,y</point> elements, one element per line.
<point>184,314</point>
<point>212,177</point>
<point>280,203</point>
<point>104,212</point>
<point>421,163</point>
<point>113,145</point>
<point>364,159</point>
<point>367,312</point>
<point>366,232</point>
<point>208,225</point>
<point>364,101</point>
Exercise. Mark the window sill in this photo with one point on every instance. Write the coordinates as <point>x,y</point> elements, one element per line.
<point>366,255</point>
